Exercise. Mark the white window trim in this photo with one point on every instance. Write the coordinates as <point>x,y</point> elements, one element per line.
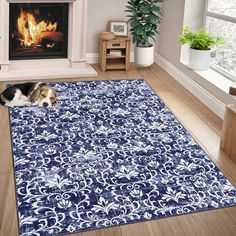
<point>225,18</point>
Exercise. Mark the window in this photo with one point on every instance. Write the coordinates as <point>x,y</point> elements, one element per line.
<point>220,20</point>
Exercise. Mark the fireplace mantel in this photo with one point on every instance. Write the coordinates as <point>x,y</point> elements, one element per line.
<point>73,66</point>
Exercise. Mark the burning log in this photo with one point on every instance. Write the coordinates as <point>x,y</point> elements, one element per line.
<point>52,36</point>
<point>51,39</point>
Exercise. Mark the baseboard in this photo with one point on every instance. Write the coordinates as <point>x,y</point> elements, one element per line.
<point>199,92</point>
<point>92,58</point>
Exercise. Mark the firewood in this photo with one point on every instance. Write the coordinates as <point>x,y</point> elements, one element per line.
<point>53,36</point>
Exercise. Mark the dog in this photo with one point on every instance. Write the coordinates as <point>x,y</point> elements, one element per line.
<point>27,94</point>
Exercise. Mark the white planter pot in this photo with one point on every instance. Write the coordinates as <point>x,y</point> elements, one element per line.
<point>144,56</point>
<point>199,59</point>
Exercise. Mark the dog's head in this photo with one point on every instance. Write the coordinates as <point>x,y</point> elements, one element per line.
<point>43,95</point>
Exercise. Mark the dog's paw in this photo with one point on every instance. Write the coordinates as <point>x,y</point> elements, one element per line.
<point>27,103</point>
<point>24,98</point>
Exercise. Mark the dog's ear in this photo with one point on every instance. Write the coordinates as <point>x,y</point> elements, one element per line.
<point>35,95</point>
<point>55,94</point>
<point>42,84</point>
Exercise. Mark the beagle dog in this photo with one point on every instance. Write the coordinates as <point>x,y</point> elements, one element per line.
<point>27,94</point>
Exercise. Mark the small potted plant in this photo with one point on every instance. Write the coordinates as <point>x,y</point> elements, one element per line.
<point>144,16</point>
<point>200,43</point>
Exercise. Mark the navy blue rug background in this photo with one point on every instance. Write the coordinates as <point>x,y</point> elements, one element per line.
<point>109,153</point>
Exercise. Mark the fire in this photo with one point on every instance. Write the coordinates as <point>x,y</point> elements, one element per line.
<point>30,31</point>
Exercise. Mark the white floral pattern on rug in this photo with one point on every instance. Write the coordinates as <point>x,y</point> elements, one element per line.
<point>109,153</point>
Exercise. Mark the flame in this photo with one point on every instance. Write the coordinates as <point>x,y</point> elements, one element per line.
<point>30,31</point>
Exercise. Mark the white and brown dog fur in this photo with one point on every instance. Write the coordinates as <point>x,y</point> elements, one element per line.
<point>27,94</point>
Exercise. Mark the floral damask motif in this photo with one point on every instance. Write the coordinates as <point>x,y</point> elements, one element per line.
<point>109,153</point>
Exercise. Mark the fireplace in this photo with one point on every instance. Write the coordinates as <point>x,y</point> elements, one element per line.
<point>56,50</point>
<point>38,30</point>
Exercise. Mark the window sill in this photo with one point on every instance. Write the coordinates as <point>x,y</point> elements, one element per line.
<point>216,79</point>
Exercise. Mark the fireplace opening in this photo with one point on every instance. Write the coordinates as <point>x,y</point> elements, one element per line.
<point>38,30</point>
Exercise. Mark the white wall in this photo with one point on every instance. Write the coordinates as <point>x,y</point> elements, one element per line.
<point>100,12</point>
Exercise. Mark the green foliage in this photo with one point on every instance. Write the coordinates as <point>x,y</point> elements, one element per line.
<point>144,16</point>
<point>200,40</point>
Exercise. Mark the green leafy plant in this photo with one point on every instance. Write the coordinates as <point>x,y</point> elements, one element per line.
<point>144,16</point>
<point>200,40</point>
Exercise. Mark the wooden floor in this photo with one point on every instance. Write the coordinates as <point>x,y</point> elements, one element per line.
<point>203,124</point>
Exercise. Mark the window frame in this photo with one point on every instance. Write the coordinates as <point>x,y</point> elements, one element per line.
<point>226,18</point>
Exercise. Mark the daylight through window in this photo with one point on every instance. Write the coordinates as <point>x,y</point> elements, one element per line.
<point>221,21</point>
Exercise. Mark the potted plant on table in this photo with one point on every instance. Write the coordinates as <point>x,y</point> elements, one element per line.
<point>144,16</point>
<point>200,43</point>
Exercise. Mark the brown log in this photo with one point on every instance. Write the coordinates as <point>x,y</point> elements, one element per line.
<point>53,36</point>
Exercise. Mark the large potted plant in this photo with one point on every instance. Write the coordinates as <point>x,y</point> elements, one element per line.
<point>200,43</point>
<point>144,16</point>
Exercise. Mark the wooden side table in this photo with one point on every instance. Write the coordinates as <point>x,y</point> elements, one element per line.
<point>228,138</point>
<point>114,54</point>
<point>232,89</point>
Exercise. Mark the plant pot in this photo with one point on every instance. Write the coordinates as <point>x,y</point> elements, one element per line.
<point>144,56</point>
<point>199,59</point>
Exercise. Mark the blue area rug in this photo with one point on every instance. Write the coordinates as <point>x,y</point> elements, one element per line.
<point>109,153</point>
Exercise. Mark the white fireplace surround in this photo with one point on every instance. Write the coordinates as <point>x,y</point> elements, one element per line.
<point>73,66</point>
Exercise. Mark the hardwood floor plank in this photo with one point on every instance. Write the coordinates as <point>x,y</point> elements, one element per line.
<point>5,158</point>
<point>113,231</point>
<point>172,226</point>
<point>137,229</point>
<point>9,224</point>
<point>231,212</point>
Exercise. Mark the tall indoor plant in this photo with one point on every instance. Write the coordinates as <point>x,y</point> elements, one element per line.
<point>144,16</point>
<point>200,43</point>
